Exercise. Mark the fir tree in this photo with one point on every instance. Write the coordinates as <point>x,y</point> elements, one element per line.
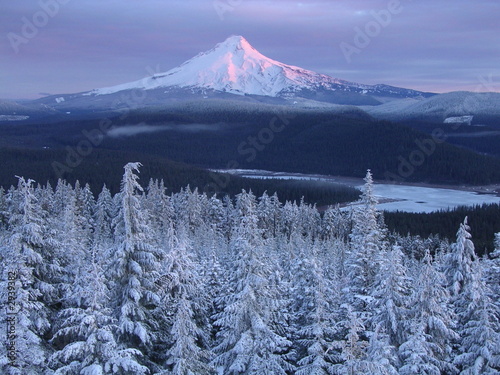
<point>87,332</point>
<point>26,287</point>
<point>314,317</point>
<point>430,334</point>
<point>136,265</point>
<point>185,304</point>
<point>480,331</point>
<point>367,245</point>
<point>391,297</point>
<point>460,260</point>
<point>248,341</point>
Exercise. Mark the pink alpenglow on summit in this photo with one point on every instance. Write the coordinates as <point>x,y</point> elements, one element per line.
<point>236,67</point>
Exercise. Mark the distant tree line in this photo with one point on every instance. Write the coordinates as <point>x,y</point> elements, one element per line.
<point>103,167</point>
<point>484,223</point>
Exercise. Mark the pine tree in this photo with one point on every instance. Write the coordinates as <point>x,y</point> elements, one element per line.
<point>430,334</point>
<point>248,338</point>
<point>87,332</point>
<point>4,210</point>
<point>391,297</point>
<point>493,272</point>
<point>268,211</point>
<point>313,317</point>
<point>136,265</point>
<point>160,210</point>
<point>26,287</point>
<point>480,331</point>
<point>74,244</point>
<point>103,219</point>
<point>367,245</point>
<point>380,355</point>
<point>186,306</point>
<point>354,344</point>
<point>460,260</point>
<point>418,354</point>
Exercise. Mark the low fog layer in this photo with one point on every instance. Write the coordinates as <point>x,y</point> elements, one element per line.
<point>142,128</point>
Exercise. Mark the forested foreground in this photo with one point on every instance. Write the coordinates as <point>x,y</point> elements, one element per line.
<point>145,283</point>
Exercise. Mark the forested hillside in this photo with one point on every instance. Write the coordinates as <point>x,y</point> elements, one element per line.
<point>103,167</point>
<point>141,282</point>
<point>343,142</point>
<point>484,223</point>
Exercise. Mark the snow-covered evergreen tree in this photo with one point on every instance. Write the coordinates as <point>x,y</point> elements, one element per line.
<point>367,245</point>
<point>87,332</point>
<point>353,346</point>
<point>185,306</point>
<point>136,265</point>
<point>492,274</point>
<point>103,219</point>
<point>460,260</point>
<point>391,297</point>
<point>430,333</point>
<point>380,355</point>
<point>4,210</point>
<point>480,332</point>
<point>314,318</point>
<point>160,210</point>
<point>248,338</point>
<point>268,211</point>
<point>26,289</point>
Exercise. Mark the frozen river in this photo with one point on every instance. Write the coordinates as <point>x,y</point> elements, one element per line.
<point>426,199</point>
<point>407,198</point>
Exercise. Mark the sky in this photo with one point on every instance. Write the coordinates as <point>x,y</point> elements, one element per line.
<point>69,46</point>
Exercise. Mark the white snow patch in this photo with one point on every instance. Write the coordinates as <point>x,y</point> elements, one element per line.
<point>459,120</point>
<point>59,100</point>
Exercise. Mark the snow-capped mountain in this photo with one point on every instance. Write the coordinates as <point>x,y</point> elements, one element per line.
<point>234,73</point>
<point>235,67</point>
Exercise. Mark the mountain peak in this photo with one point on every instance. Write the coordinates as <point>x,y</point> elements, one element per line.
<point>236,41</point>
<point>235,66</point>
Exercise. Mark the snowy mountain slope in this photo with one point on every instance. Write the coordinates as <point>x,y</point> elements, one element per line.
<point>440,107</point>
<point>14,111</point>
